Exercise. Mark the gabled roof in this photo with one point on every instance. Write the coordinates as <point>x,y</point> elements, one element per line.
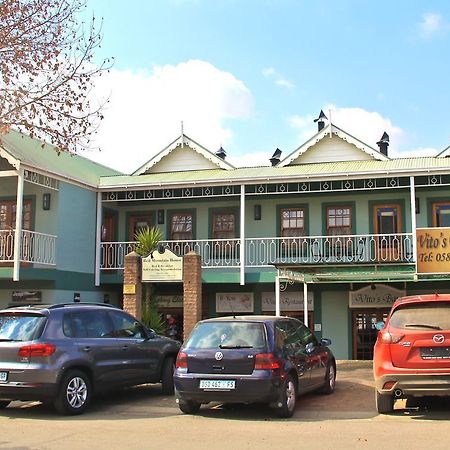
<point>21,150</point>
<point>331,129</point>
<point>183,141</point>
<point>445,153</point>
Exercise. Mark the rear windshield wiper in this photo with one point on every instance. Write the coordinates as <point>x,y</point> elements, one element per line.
<point>423,325</point>
<point>7,340</point>
<point>235,346</point>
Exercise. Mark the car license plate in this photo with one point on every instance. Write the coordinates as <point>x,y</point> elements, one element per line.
<point>3,377</point>
<point>219,385</point>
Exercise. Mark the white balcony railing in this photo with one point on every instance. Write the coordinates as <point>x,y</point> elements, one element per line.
<point>264,252</point>
<point>38,248</point>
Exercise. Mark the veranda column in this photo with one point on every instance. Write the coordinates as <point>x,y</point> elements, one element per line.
<point>192,292</point>
<point>132,285</point>
<point>18,226</point>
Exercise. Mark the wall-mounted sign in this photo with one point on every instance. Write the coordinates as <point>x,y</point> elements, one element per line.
<point>27,296</point>
<point>234,302</point>
<point>375,296</point>
<point>433,250</point>
<point>289,301</point>
<point>129,289</point>
<point>162,267</point>
<point>169,301</point>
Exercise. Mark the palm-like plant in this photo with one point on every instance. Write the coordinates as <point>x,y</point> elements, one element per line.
<point>147,240</point>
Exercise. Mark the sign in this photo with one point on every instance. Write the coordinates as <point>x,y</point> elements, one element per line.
<point>162,267</point>
<point>129,289</point>
<point>382,296</point>
<point>169,301</point>
<point>27,296</point>
<point>289,301</point>
<point>234,302</point>
<point>433,250</point>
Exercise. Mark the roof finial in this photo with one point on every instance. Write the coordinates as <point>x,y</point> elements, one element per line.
<point>331,123</point>
<point>182,134</point>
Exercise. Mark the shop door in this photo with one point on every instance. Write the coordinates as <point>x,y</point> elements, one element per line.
<point>387,223</point>
<point>364,331</point>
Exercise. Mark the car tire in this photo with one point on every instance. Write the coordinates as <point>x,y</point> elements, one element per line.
<point>288,398</point>
<point>4,404</point>
<point>74,393</point>
<point>384,403</point>
<point>330,380</point>
<point>189,407</point>
<point>167,376</point>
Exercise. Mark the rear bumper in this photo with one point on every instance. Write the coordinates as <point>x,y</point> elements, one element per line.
<point>27,391</point>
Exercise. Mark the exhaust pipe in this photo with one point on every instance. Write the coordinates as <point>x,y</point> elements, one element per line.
<point>398,393</point>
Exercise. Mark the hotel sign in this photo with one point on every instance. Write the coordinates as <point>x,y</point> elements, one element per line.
<point>162,267</point>
<point>289,301</point>
<point>433,250</point>
<point>382,296</point>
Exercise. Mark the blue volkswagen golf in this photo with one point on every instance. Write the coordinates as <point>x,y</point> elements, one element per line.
<point>252,359</point>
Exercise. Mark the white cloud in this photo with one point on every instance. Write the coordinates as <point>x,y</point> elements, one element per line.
<point>279,79</point>
<point>433,25</point>
<point>146,109</point>
<point>283,82</point>
<point>269,71</point>
<point>250,159</point>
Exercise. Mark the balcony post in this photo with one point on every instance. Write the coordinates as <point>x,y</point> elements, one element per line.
<point>277,295</point>
<point>412,192</point>
<point>242,246</point>
<point>18,225</point>
<point>98,237</point>
<point>305,303</point>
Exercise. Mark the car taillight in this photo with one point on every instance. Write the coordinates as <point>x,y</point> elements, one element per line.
<point>32,350</point>
<point>390,338</point>
<point>181,362</point>
<point>266,361</point>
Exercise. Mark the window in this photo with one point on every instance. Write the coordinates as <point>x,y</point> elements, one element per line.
<point>138,222</point>
<point>223,226</point>
<point>126,327</point>
<point>292,222</point>
<point>87,324</point>
<point>181,227</point>
<point>387,219</point>
<point>441,214</point>
<point>8,214</point>
<point>339,220</point>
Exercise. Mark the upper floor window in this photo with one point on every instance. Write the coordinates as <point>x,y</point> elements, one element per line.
<point>181,227</point>
<point>441,214</point>
<point>293,222</point>
<point>387,219</point>
<point>8,214</point>
<point>224,225</point>
<point>339,220</point>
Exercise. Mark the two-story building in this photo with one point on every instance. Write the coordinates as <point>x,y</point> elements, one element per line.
<point>326,233</point>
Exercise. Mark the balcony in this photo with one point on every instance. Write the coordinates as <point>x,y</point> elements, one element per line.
<point>37,248</point>
<point>265,252</point>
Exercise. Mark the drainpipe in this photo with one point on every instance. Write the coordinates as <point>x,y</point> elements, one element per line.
<point>412,192</point>
<point>18,230</point>
<point>242,248</point>
<point>98,238</point>
<point>277,295</point>
<point>305,303</point>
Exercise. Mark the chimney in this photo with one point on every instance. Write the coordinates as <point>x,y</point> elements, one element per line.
<point>321,121</point>
<point>383,144</point>
<point>221,153</point>
<point>275,157</point>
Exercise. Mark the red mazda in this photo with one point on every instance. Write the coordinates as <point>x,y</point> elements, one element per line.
<point>412,351</point>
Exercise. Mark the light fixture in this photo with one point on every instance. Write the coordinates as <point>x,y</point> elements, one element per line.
<point>257,212</point>
<point>160,216</point>
<point>46,198</point>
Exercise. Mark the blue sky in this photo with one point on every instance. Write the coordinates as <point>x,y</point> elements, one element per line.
<point>252,75</point>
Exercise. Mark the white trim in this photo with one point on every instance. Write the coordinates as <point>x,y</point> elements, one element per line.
<point>10,158</point>
<point>98,236</point>
<point>277,294</point>
<point>18,230</point>
<point>8,173</point>
<point>242,233</point>
<point>412,198</point>
<point>305,303</point>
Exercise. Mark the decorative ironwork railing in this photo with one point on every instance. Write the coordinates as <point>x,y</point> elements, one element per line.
<point>38,248</point>
<point>264,252</point>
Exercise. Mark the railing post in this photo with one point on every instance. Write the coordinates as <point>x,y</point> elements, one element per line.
<point>18,225</point>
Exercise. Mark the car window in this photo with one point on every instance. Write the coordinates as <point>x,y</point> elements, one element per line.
<point>305,335</point>
<point>286,336</point>
<point>87,324</point>
<point>227,334</point>
<point>125,326</point>
<point>21,327</point>
<point>422,317</point>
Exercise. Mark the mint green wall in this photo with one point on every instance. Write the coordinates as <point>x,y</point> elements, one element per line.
<point>75,250</point>
<point>335,322</point>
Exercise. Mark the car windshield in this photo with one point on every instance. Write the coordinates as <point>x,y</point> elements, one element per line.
<point>21,327</point>
<point>432,316</point>
<point>227,335</point>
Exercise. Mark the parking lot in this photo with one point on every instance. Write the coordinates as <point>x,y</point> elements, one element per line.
<point>141,417</point>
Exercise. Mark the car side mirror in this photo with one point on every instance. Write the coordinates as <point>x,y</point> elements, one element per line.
<point>309,347</point>
<point>325,342</point>
<point>151,333</point>
<point>379,325</point>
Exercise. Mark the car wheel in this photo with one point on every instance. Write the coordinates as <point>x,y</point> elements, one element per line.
<point>286,406</point>
<point>167,376</point>
<point>330,380</point>
<point>189,407</point>
<point>4,404</point>
<point>384,403</point>
<point>74,393</point>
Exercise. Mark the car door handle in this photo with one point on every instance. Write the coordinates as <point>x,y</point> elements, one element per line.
<point>87,349</point>
<point>125,347</point>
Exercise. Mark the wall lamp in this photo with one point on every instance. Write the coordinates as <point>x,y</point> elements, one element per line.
<point>46,198</point>
<point>160,215</point>
<point>257,212</point>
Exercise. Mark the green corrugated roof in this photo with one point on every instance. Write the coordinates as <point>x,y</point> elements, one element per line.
<point>389,168</point>
<point>29,152</point>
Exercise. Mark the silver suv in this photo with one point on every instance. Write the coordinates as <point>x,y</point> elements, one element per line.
<point>66,352</point>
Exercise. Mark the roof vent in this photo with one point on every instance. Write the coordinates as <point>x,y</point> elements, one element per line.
<point>221,153</point>
<point>321,121</point>
<point>275,157</point>
<point>383,144</point>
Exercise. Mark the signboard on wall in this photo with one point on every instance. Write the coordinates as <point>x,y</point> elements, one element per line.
<point>162,267</point>
<point>433,250</point>
<point>234,302</point>
<point>289,301</point>
<point>169,301</point>
<point>27,296</point>
<point>375,296</point>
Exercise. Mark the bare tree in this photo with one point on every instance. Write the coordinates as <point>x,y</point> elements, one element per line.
<point>47,71</point>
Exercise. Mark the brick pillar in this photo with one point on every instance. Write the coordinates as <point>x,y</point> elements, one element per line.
<point>192,292</point>
<point>132,290</point>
